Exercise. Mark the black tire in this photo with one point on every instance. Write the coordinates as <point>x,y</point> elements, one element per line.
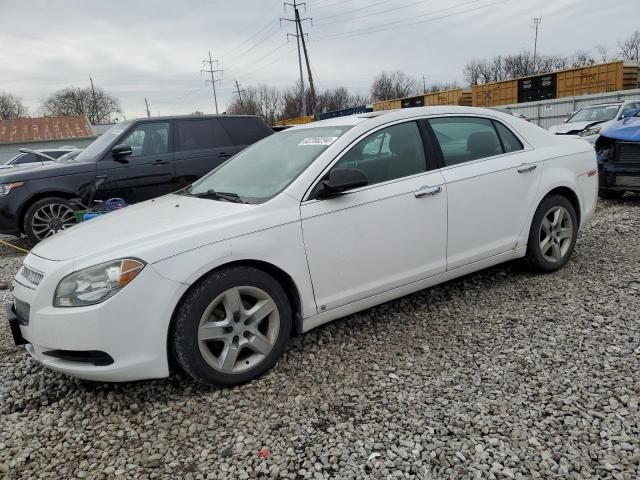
<point>535,259</point>
<point>611,194</point>
<point>184,342</point>
<point>31,227</point>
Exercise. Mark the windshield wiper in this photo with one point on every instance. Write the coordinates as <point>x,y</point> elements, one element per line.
<point>212,194</point>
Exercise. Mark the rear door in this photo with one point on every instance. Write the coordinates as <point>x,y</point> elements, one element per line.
<point>148,172</point>
<point>492,180</point>
<point>201,145</point>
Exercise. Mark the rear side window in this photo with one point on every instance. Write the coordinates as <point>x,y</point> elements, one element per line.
<point>509,141</point>
<point>200,134</point>
<point>28,158</point>
<point>463,139</point>
<point>245,130</point>
<point>55,153</point>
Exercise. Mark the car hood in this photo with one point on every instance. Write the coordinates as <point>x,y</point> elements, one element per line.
<point>162,228</point>
<point>564,128</point>
<point>36,170</point>
<point>627,129</point>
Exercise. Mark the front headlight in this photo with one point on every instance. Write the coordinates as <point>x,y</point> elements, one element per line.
<point>5,188</point>
<point>590,131</point>
<point>95,284</point>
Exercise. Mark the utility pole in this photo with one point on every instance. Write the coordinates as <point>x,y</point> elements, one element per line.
<point>213,80</point>
<point>94,107</point>
<point>303,100</point>
<point>424,85</point>
<point>306,58</point>
<point>239,92</point>
<point>147,105</point>
<point>536,24</point>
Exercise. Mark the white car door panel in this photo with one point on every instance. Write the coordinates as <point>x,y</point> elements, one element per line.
<point>376,238</point>
<point>491,182</point>
<point>489,201</point>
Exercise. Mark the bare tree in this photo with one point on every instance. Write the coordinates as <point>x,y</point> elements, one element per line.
<point>581,58</point>
<point>441,86</point>
<point>81,101</point>
<point>390,85</point>
<point>630,47</point>
<point>603,52</point>
<point>11,107</point>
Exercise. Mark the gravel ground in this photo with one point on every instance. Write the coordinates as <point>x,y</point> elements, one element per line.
<point>501,374</point>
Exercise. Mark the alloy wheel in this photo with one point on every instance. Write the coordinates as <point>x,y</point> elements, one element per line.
<point>238,329</point>
<point>556,234</point>
<point>51,218</point>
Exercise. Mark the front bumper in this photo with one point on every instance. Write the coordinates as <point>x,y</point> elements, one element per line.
<point>131,327</point>
<point>617,177</point>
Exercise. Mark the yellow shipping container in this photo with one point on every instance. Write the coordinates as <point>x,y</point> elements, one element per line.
<point>387,105</point>
<point>457,96</point>
<point>605,77</point>
<point>295,120</point>
<point>497,93</point>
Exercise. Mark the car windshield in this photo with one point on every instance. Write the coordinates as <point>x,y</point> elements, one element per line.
<point>601,113</point>
<point>266,168</point>
<point>100,143</point>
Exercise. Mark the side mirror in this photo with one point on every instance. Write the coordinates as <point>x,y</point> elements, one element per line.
<point>122,150</point>
<point>630,113</point>
<point>342,179</point>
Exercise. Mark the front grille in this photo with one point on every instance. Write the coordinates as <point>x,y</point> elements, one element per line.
<point>628,152</point>
<point>22,310</point>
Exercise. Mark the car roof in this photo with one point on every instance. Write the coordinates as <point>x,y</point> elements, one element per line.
<point>399,114</point>
<point>604,104</point>
<point>181,117</point>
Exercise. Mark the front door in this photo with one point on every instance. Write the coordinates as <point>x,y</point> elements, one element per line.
<point>147,173</point>
<point>387,234</point>
<point>491,184</point>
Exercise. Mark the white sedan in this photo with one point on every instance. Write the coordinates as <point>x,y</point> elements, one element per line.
<point>306,226</point>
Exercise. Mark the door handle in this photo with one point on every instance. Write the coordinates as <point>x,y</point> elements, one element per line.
<point>524,168</point>
<point>224,155</point>
<point>160,162</point>
<point>423,191</point>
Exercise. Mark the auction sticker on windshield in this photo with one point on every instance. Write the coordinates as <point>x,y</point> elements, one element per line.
<point>318,141</point>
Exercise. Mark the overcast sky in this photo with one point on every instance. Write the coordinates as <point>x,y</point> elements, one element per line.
<point>154,48</point>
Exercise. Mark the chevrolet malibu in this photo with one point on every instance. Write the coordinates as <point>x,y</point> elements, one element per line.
<point>307,226</point>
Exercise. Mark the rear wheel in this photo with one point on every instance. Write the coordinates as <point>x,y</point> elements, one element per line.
<point>232,327</point>
<point>47,217</point>
<point>553,234</point>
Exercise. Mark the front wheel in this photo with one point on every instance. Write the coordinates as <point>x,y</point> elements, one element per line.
<point>47,217</point>
<point>553,234</point>
<point>231,327</point>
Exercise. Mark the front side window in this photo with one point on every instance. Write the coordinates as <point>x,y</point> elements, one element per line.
<point>463,139</point>
<point>148,139</point>
<point>264,169</point>
<point>391,153</point>
<point>28,158</point>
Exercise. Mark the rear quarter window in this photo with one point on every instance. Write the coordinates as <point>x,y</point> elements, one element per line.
<point>245,130</point>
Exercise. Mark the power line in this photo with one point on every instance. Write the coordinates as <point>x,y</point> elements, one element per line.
<point>381,12</point>
<point>401,23</point>
<point>237,47</point>
<point>349,12</point>
<point>213,80</point>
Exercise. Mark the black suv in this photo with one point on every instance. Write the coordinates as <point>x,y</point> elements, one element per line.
<point>135,160</point>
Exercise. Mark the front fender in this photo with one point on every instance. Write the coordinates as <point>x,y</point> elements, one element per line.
<point>281,247</point>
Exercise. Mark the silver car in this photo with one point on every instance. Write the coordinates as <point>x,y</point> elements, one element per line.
<point>588,121</point>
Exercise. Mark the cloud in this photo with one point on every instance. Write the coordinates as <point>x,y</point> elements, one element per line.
<point>154,49</point>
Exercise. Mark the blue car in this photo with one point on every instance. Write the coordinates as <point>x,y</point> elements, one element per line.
<point>618,150</point>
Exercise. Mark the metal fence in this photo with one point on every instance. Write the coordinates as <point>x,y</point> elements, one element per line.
<point>547,113</point>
